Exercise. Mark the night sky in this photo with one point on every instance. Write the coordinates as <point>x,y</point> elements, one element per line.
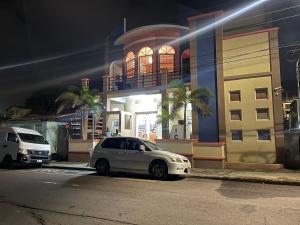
<point>66,39</point>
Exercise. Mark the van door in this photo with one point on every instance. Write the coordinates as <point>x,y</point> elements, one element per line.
<point>11,145</point>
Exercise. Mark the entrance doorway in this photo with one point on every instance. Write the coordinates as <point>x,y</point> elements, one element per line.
<point>146,126</point>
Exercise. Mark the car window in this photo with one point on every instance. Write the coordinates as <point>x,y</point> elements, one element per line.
<point>114,143</point>
<point>132,144</point>
<point>11,137</point>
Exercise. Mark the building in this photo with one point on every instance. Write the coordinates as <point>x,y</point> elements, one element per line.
<point>240,68</point>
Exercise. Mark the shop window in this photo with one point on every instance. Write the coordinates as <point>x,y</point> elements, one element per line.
<point>235,96</point>
<point>262,114</point>
<point>264,135</point>
<point>145,60</point>
<point>261,93</point>
<point>236,115</point>
<point>166,58</point>
<point>236,135</point>
<point>130,64</point>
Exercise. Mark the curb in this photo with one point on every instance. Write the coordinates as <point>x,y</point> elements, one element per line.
<point>246,179</point>
<point>208,177</point>
<point>69,167</point>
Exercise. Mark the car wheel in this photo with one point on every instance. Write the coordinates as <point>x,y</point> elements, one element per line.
<point>7,162</point>
<point>159,170</point>
<point>102,167</point>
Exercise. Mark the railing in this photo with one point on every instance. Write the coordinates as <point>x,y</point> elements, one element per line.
<point>122,82</point>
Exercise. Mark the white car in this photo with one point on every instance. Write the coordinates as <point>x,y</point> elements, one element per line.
<point>128,154</point>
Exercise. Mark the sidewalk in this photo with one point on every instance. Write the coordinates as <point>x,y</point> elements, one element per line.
<point>282,176</point>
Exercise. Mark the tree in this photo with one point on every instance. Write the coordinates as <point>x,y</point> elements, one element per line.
<point>81,99</point>
<point>181,97</point>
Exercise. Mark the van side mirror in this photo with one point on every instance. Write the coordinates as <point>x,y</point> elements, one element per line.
<point>142,148</point>
<point>16,140</point>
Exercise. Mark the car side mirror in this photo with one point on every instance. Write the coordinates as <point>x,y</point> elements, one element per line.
<point>142,148</point>
<point>16,140</point>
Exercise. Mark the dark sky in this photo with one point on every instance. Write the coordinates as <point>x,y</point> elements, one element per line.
<point>68,37</point>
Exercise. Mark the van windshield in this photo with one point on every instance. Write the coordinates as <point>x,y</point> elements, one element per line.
<point>32,138</point>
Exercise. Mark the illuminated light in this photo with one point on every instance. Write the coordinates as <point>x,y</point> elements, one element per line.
<point>221,20</point>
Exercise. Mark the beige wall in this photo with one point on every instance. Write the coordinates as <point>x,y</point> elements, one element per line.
<point>246,54</point>
<point>249,150</point>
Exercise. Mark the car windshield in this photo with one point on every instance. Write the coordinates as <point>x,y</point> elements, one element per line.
<point>32,138</point>
<point>152,145</point>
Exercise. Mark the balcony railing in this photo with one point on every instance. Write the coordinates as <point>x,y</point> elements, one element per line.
<point>122,82</point>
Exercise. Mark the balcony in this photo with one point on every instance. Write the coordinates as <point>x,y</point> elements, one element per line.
<point>138,81</point>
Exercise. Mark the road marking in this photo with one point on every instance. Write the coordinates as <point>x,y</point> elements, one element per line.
<point>59,172</point>
<point>49,182</point>
<point>134,179</point>
<point>75,185</point>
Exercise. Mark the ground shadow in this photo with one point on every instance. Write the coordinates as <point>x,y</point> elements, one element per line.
<point>245,190</point>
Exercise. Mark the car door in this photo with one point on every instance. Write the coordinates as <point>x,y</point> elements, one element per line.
<point>114,150</point>
<point>136,159</point>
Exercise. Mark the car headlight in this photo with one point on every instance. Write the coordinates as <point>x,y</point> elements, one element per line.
<point>178,160</point>
<point>23,151</point>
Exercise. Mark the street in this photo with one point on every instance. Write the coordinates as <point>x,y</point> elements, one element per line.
<point>55,196</point>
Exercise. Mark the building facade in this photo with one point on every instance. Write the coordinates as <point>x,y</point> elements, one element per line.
<point>242,71</point>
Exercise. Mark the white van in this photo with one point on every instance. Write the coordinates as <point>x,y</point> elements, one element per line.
<point>23,146</point>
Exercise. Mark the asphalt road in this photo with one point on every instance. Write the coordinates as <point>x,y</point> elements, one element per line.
<point>53,196</point>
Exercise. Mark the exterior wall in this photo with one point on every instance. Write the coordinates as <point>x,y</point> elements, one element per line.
<point>246,55</point>
<point>201,155</point>
<point>250,150</point>
<point>79,150</point>
<point>206,72</point>
<point>247,66</point>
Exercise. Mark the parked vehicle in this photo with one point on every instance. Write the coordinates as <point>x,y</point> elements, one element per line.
<point>24,146</point>
<point>128,154</point>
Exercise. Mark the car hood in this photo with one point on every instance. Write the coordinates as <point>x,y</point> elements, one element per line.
<point>168,154</point>
<point>32,146</point>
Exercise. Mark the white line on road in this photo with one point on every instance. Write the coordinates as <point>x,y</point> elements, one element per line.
<point>49,182</point>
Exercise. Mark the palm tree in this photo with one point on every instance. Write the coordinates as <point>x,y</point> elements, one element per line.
<point>81,99</point>
<point>181,97</point>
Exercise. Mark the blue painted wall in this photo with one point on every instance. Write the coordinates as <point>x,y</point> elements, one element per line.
<point>207,77</point>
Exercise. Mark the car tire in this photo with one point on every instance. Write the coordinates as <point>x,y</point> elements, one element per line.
<point>7,162</point>
<point>102,167</point>
<point>159,170</point>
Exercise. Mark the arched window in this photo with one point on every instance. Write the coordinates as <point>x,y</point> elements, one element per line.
<point>145,60</point>
<point>166,58</point>
<point>185,65</point>
<point>130,64</point>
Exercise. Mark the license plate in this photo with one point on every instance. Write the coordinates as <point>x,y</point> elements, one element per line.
<point>39,160</point>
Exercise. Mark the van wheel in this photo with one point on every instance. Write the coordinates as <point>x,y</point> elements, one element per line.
<point>7,162</point>
<point>159,170</point>
<point>102,167</point>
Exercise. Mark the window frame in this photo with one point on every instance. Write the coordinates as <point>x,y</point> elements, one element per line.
<point>236,140</point>
<point>240,96</point>
<point>268,113</point>
<point>144,54</point>
<point>267,92</point>
<point>264,140</point>
<point>130,58</point>
<point>166,50</point>
<point>114,138</point>
<point>15,137</point>
<point>236,110</point>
